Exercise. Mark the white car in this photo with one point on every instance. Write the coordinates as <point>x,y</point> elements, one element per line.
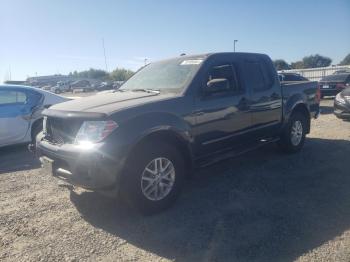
<point>20,112</point>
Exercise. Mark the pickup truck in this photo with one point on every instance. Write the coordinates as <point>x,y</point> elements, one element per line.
<point>142,140</point>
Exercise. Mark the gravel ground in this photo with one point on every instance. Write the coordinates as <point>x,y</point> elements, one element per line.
<point>263,206</point>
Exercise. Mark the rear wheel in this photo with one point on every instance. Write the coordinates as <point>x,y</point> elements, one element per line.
<point>154,177</point>
<point>293,137</point>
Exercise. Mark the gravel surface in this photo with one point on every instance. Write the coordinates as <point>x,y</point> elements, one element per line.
<point>263,206</point>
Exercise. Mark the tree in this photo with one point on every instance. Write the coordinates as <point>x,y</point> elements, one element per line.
<point>121,74</point>
<point>93,74</point>
<point>346,60</point>
<point>280,64</point>
<point>297,65</point>
<point>314,61</point>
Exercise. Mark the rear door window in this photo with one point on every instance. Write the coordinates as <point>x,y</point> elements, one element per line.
<point>257,76</point>
<point>8,97</point>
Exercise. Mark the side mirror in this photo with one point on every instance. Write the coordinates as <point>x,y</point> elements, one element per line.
<point>217,85</point>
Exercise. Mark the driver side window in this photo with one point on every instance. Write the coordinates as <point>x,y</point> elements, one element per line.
<point>225,71</point>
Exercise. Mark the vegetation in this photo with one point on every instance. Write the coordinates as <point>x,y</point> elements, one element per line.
<point>312,61</point>
<point>119,74</point>
<point>346,60</point>
<point>281,64</point>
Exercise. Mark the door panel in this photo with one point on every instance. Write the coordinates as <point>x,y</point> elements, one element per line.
<point>220,116</point>
<point>219,121</point>
<point>14,117</point>
<point>266,98</point>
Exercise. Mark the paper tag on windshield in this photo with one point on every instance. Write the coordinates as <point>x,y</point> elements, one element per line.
<point>192,62</point>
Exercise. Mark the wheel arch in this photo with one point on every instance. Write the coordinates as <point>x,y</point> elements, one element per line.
<point>168,135</point>
<point>34,125</point>
<point>302,108</point>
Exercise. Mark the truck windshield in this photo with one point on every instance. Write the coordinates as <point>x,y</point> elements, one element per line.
<point>168,76</point>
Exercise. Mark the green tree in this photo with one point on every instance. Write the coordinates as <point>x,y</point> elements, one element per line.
<point>280,64</point>
<point>297,65</point>
<point>314,61</point>
<point>93,74</point>
<point>121,74</point>
<point>346,60</point>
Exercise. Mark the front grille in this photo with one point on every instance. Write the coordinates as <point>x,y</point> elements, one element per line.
<point>61,131</point>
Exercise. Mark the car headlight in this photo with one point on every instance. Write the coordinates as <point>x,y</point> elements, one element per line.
<point>347,98</point>
<point>339,99</point>
<point>92,132</point>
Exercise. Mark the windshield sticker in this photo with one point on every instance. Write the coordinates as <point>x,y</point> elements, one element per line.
<point>192,62</point>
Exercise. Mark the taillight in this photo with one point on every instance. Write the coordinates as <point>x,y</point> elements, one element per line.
<point>318,94</point>
<point>340,86</point>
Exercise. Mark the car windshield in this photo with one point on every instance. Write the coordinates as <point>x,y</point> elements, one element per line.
<point>168,76</point>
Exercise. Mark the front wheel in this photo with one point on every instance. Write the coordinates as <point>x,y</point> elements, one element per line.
<point>154,178</point>
<point>293,137</point>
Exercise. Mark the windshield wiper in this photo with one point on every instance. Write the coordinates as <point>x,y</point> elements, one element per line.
<point>146,90</point>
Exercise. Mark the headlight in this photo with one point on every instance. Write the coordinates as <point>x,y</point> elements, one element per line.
<point>347,98</point>
<point>94,131</point>
<point>339,99</point>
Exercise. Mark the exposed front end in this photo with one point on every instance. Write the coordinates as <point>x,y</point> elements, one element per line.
<point>75,150</point>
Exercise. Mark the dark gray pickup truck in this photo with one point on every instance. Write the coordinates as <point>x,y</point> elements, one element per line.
<point>170,117</point>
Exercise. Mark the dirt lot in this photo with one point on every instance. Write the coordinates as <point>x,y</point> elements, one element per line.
<point>263,206</point>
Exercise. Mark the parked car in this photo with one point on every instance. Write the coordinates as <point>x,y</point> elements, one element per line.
<point>191,111</point>
<point>104,86</point>
<point>20,112</point>
<point>342,104</point>
<point>291,77</point>
<point>333,84</point>
<point>61,87</point>
<point>83,85</point>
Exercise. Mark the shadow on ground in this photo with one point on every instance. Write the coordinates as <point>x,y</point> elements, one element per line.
<point>264,206</point>
<point>17,158</point>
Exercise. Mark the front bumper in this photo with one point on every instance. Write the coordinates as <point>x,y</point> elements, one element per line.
<point>90,168</point>
<point>342,111</point>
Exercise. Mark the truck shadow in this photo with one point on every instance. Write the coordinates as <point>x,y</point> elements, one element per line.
<point>263,206</point>
<point>17,158</point>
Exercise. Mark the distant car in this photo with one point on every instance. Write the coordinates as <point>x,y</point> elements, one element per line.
<point>291,77</point>
<point>84,85</point>
<point>333,84</point>
<point>104,86</point>
<point>20,112</point>
<point>61,87</point>
<point>342,104</point>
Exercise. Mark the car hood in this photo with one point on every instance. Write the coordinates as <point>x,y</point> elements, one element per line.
<point>109,102</point>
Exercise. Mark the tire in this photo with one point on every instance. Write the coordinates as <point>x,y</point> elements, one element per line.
<point>138,191</point>
<point>293,138</point>
<point>36,129</point>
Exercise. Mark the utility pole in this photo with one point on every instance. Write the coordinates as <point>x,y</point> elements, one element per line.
<point>146,61</point>
<point>104,53</point>
<point>234,45</point>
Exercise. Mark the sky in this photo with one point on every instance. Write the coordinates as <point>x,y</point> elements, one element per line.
<point>39,37</point>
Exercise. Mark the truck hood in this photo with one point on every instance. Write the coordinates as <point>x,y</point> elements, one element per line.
<point>109,102</point>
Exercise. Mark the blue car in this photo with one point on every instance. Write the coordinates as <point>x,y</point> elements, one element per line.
<point>20,112</point>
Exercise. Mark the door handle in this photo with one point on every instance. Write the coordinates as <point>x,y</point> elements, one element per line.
<point>243,104</point>
<point>275,96</point>
<point>198,113</point>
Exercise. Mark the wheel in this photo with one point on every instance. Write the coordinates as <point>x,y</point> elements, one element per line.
<point>36,129</point>
<point>293,137</point>
<point>154,178</point>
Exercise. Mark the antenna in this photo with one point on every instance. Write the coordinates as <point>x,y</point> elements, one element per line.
<point>104,53</point>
